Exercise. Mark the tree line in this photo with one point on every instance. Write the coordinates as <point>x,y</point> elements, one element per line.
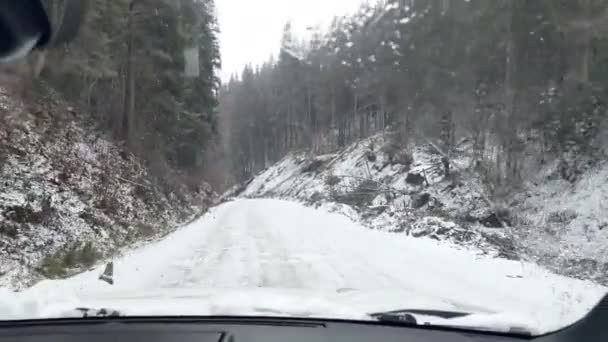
<point>128,68</point>
<point>521,82</point>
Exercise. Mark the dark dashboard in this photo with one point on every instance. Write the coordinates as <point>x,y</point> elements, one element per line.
<point>228,329</point>
<point>235,329</point>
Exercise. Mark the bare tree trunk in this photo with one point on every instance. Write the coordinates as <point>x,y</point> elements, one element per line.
<point>129,98</point>
<point>586,43</point>
<point>310,116</point>
<point>358,116</point>
<point>407,129</point>
<point>34,63</point>
<point>586,59</point>
<point>90,93</point>
<point>510,64</point>
<point>38,63</point>
<point>446,139</point>
<point>498,179</point>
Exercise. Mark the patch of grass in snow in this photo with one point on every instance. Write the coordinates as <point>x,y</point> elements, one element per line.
<point>61,263</point>
<point>54,268</point>
<point>109,204</point>
<point>332,180</point>
<point>88,215</point>
<point>396,153</point>
<point>27,214</point>
<point>313,166</point>
<point>145,230</point>
<point>562,216</point>
<point>361,195</point>
<point>87,256</point>
<point>128,233</point>
<point>9,229</point>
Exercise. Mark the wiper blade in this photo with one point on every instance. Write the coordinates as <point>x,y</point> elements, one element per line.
<point>89,312</point>
<point>408,316</point>
<point>413,317</point>
<point>435,313</point>
<point>397,318</point>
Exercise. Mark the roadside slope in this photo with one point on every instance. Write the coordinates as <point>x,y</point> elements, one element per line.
<point>69,197</point>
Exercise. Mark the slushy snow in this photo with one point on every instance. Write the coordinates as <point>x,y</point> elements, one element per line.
<point>273,257</point>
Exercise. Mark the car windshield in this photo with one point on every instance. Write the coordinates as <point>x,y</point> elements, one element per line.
<point>370,160</point>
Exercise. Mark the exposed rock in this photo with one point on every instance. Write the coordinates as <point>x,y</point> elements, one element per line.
<point>563,216</point>
<point>415,179</point>
<point>332,180</point>
<point>313,166</point>
<point>506,247</point>
<point>23,214</point>
<point>371,156</point>
<point>429,225</point>
<point>492,221</point>
<point>404,158</point>
<point>419,201</point>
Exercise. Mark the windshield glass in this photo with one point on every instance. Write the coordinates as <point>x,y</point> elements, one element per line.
<point>307,158</point>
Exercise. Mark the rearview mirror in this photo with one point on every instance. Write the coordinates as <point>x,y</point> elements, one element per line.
<point>29,24</point>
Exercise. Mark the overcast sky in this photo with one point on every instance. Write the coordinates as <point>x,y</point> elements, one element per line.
<point>251,29</point>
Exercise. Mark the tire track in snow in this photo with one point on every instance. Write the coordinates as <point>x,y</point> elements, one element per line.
<point>316,261</point>
<point>210,264</point>
<point>224,266</point>
<point>275,262</point>
<point>244,250</point>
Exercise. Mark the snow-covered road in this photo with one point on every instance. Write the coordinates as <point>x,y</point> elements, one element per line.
<point>252,244</point>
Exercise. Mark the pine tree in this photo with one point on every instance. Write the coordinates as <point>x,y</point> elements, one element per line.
<point>497,73</point>
<point>127,68</point>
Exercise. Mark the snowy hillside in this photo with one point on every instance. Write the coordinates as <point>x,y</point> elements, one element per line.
<point>569,221</point>
<point>69,197</point>
<point>555,223</point>
<point>395,193</point>
<point>272,257</point>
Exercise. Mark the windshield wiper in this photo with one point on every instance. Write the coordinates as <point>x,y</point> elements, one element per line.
<point>101,313</point>
<point>408,316</point>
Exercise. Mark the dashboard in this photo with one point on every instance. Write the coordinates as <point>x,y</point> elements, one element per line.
<point>224,330</point>
<point>236,329</point>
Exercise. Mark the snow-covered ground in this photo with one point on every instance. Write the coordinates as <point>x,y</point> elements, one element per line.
<point>274,257</point>
<point>571,219</point>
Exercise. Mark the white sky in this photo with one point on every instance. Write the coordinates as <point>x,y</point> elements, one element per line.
<point>251,29</point>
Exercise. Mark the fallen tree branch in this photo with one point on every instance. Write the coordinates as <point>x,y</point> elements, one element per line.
<point>131,182</point>
<point>490,203</point>
<point>445,155</point>
<point>337,157</point>
<point>380,184</point>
